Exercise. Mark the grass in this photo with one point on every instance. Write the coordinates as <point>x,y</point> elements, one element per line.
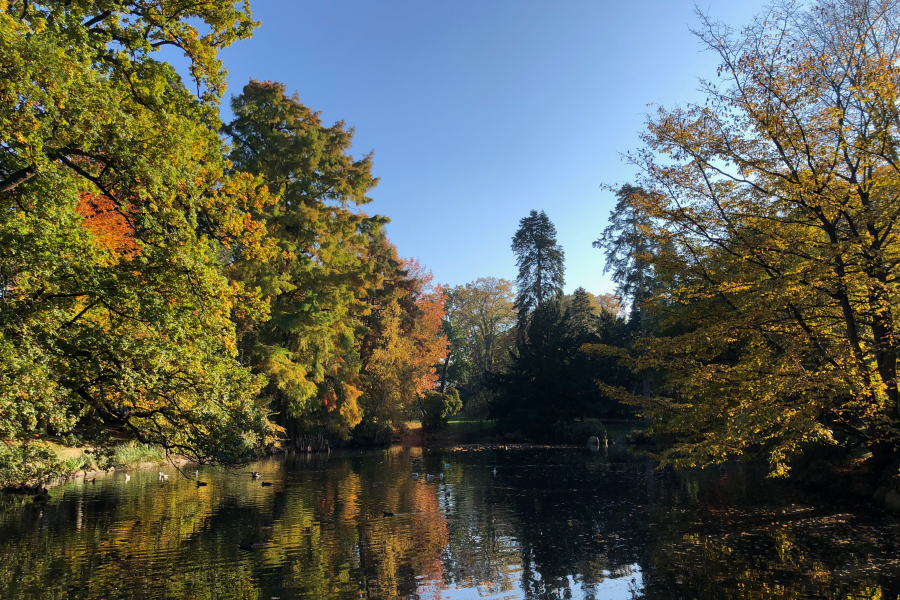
<point>132,453</point>
<point>75,463</point>
<point>122,455</point>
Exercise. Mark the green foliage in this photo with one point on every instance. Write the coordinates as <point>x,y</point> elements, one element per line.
<point>437,408</point>
<point>114,212</point>
<point>480,326</point>
<point>628,248</point>
<point>319,281</point>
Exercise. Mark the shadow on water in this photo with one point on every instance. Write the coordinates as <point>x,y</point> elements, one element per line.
<point>549,523</point>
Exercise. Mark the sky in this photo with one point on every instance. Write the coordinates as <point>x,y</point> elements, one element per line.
<point>479,111</point>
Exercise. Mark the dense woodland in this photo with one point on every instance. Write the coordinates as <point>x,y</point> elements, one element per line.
<point>219,290</point>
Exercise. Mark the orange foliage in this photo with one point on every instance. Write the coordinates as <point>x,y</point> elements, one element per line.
<point>109,227</point>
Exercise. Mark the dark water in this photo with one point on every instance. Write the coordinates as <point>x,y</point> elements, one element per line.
<point>550,524</point>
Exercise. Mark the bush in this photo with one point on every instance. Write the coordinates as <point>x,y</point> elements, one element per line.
<point>437,408</point>
<point>371,433</point>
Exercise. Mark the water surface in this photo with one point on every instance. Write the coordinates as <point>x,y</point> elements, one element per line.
<point>550,523</point>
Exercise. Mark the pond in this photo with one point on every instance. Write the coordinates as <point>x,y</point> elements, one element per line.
<point>503,524</point>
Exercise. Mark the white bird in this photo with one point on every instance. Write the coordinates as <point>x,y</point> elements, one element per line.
<point>446,465</point>
<point>163,476</point>
<point>442,475</point>
<point>196,474</point>
<point>415,475</point>
<point>495,471</point>
<point>127,477</point>
<point>429,477</point>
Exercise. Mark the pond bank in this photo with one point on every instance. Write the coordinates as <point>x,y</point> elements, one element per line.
<point>91,463</point>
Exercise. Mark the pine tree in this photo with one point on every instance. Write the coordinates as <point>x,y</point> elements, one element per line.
<point>541,264</point>
<point>628,254</point>
<point>582,313</point>
<point>628,250</point>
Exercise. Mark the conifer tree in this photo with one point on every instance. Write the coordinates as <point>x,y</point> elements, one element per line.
<point>318,284</point>
<point>541,264</point>
<point>628,250</point>
<point>582,313</point>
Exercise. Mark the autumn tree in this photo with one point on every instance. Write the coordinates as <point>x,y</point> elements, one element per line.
<point>114,211</point>
<point>541,263</point>
<point>403,345</point>
<point>456,367</point>
<point>318,283</point>
<point>483,317</point>
<point>777,204</point>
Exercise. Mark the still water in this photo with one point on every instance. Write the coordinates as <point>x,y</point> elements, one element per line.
<point>550,523</point>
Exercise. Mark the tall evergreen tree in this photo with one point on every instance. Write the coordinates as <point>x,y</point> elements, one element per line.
<point>541,264</point>
<point>629,251</point>
<point>582,313</point>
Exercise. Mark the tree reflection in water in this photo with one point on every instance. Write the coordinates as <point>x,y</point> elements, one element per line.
<point>551,524</point>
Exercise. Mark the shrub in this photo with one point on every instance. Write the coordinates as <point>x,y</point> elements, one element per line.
<point>437,408</point>
<point>371,433</point>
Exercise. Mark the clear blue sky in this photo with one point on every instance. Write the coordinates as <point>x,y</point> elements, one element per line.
<point>479,111</point>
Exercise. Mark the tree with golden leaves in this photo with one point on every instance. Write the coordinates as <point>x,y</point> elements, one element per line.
<point>775,204</point>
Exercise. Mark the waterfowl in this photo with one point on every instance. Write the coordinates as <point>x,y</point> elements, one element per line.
<point>201,483</point>
<point>446,465</point>
<point>127,477</point>
<point>196,474</point>
<point>387,514</point>
<point>266,483</point>
<point>163,476</point>
<point>495,471</point>
<point>442,476</point>
<point>245,546</point>
<point>429,477</point>
<point>415,475</point>
<point>255,474</point>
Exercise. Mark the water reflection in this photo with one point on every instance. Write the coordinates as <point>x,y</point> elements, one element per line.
<point>500,524</point>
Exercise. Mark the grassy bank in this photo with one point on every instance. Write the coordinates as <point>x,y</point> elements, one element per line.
<point>125,455</point>
<point>91,462</point>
